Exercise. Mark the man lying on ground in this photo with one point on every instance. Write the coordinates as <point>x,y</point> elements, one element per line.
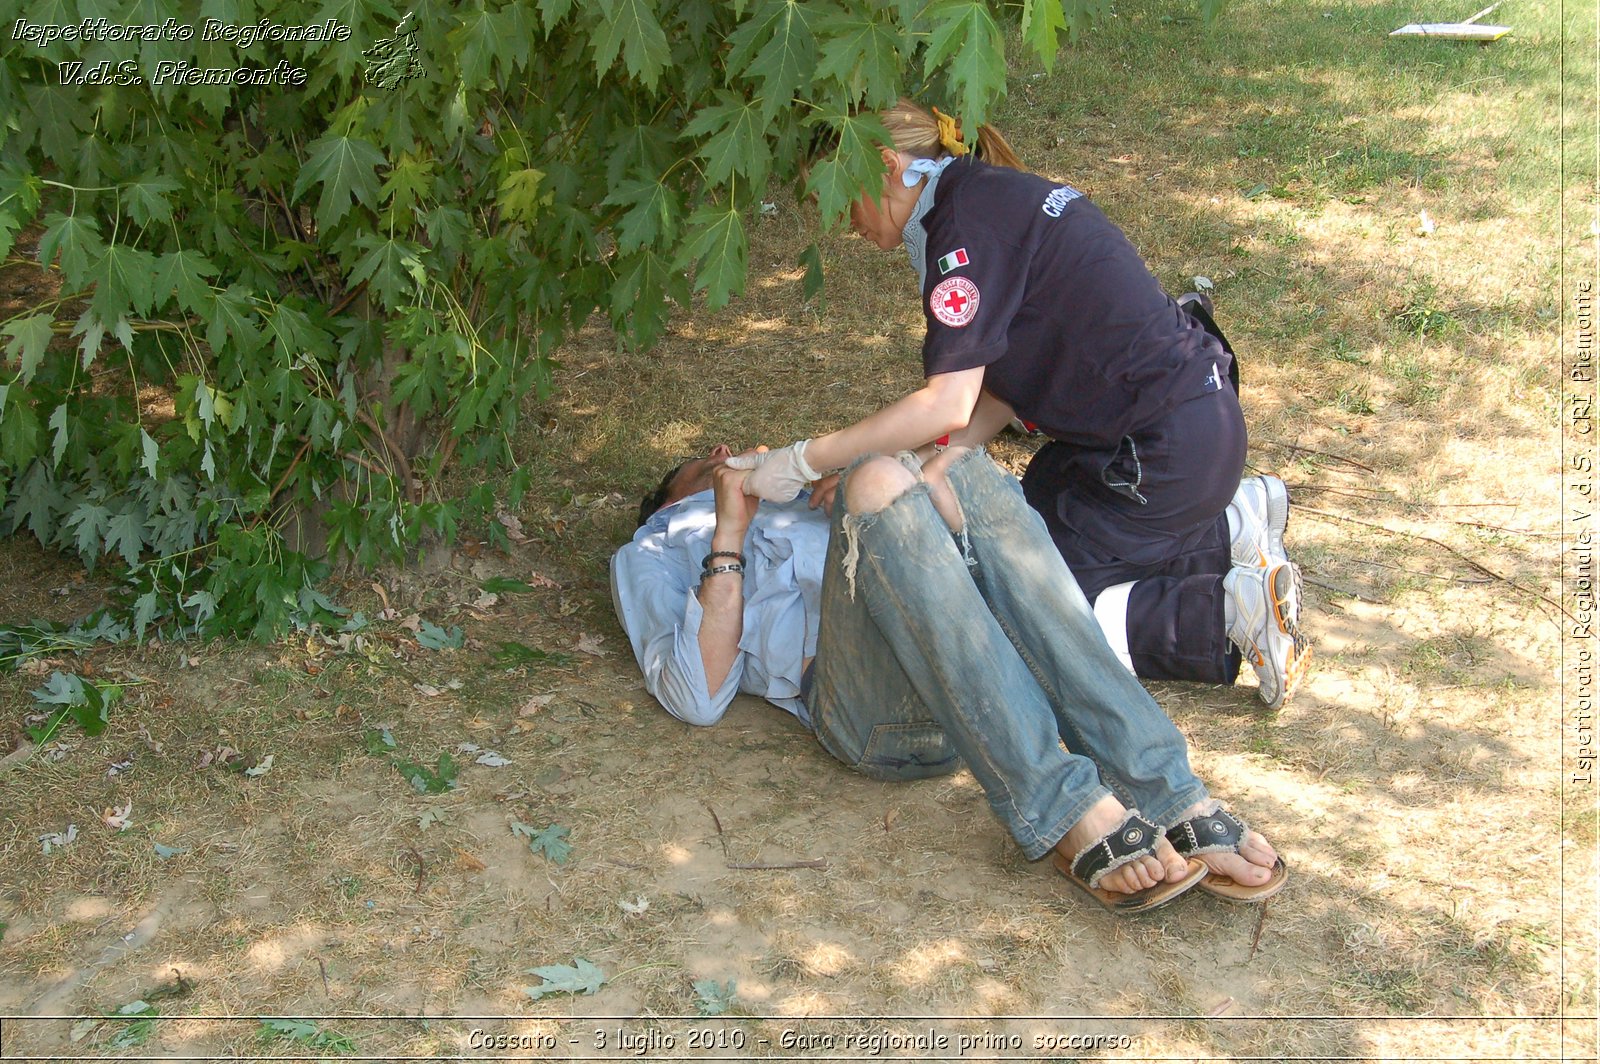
<point>933,625</point>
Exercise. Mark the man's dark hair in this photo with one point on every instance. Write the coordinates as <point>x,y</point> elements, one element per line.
<point>654,500</point>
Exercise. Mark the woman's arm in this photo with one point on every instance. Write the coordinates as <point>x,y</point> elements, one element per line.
<point>990,416</point>
<point>947,403</point>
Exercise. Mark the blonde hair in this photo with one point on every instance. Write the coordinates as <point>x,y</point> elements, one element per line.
<point>926,135</point>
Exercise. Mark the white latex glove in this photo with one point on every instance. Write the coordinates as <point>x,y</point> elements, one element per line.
<point>777,475</point>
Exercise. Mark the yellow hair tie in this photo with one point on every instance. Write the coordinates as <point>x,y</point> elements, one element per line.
<point>949,133</point>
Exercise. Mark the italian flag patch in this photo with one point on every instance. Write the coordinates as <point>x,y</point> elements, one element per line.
<point>958,257</point>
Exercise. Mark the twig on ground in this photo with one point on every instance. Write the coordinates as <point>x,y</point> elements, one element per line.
<point>1416,572</point>
<point>1255,939</point>
<point>1348,592</point>
<point>323,968</point>
<point>422,868</point>
<point>1530,533</point>
<point>1368,494</point>
<point>1313,450</point>
<point>715,819</point>
<point>818,862</point>
<point>1479,566</point>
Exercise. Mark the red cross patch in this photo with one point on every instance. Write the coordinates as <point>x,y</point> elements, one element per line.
<point>954,302</point>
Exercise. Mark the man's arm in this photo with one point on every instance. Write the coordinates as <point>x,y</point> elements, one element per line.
<point>722,595</point>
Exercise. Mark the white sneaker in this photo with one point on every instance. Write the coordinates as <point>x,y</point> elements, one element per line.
<point>1257,517</point>
<point>1266,608</point>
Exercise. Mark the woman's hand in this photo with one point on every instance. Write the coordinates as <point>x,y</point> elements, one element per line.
<point>778,476</point>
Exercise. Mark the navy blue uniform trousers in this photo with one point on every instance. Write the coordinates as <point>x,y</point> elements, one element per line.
<point>1154,513</point>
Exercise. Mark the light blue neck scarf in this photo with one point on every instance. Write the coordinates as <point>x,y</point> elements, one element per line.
<point>914,235</point>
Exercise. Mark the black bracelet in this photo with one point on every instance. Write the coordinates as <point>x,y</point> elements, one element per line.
<point>705,563</point>
<point>715,569</point>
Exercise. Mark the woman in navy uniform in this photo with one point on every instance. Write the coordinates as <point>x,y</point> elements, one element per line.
<point>1039,308</point>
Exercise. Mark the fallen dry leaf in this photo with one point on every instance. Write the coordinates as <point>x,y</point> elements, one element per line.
<point>469,862</point>
<point>118,818</point>
<point>590,644</point>
<point>535,704</point>
<point>513,526</point>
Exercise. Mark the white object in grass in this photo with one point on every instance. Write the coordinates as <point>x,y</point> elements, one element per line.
<point>1452,31</point>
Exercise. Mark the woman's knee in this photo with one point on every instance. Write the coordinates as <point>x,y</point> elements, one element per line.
<point>875,483</point>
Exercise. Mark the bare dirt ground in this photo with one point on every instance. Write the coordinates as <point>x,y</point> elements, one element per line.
<point>1442,900</point>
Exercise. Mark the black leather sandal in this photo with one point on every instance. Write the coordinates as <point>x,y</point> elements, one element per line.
<point>1134,838</point>
<point>1221,832</point>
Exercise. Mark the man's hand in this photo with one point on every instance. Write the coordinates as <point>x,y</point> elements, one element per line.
<point>822,493</point>
<point>735,509</point>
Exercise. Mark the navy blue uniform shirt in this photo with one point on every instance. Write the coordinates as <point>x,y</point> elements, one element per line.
<point>1027,278</point>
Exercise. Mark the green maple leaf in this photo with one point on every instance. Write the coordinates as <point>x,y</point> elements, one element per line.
<point>233,314</point>
<point>1081,14</point>
<point>551,841</point>
<point>152,453</point>
<point>652,219</point>
<point>391,267</point>
<point>185,273</point>
<point>75,240</point>
<point>630,26</point>
<point>811,260</point>
<point>778,46</point>
<point>124,279</point>
<point>29,338</point>
<point>579,977</point>
<point>515,30</point>
<point>965,33</point>
<point>125,534</point>
<point>519,194</point>
<point>146,199</point>
<point>854,167</point>
<point>1042,23</point>
<point>644,284</point>
<point>58,421</point>
<point>738,141</point>
<point>477,43</point>
<point>552,12</point>
<point>90,520</point>
<point>863,54</point>
<point>294,334</point>
<point>409,181</point>
<point>346,167</point>
<point>719,248</point>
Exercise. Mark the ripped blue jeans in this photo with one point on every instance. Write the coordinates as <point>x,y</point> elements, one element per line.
<point>936,650</point>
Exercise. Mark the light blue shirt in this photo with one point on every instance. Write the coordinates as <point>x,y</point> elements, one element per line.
<point>653,584</point>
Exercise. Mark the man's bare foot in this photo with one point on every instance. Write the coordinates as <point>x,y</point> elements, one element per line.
<point>1251,866</point>
<point>1104,817</point>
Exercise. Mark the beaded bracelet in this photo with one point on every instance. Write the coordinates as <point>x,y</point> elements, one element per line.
<point>705,563</point>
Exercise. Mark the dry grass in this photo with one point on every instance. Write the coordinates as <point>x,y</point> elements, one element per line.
<point>1414,784</point>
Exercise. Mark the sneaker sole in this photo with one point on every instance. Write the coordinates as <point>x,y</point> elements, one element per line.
<point>1277,513</point>
<point>1276,500</point>
<point>1284,585</point>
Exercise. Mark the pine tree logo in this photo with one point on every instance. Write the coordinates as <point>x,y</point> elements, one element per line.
<point>393,61</point>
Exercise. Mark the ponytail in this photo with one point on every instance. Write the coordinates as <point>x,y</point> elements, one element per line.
<point>925,135</point>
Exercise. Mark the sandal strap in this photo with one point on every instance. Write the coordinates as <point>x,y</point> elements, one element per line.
<point>1134,838</point>
<point>1215,832</point>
